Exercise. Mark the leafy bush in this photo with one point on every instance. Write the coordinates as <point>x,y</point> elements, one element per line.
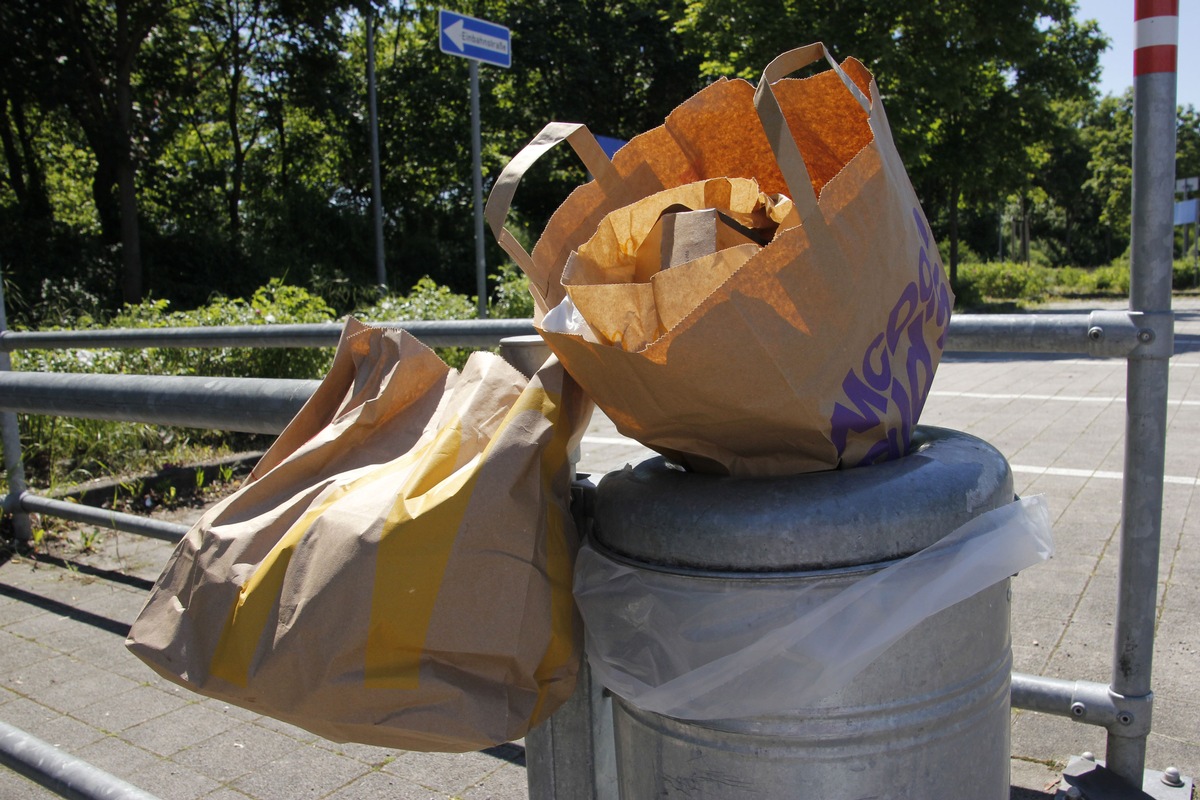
<point>1185,274</point>
<point>273,303</point>
<point>1070,280</point>
<point>1113,279</point>
<point>979,283</point>
<point>513,299</point>
<point>58,450</point>
<point>1002,280</point>
<point>426,300</point>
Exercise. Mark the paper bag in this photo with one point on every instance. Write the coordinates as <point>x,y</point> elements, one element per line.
<point>814,350</point>
<point>397,569</point>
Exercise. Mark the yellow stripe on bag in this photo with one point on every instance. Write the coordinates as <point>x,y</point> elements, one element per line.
<point>410,566</point>
<point>234,653</point>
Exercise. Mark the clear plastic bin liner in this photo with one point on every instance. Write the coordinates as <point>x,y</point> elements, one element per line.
<point>715,648</point>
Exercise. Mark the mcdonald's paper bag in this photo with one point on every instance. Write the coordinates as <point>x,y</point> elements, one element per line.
<point>397,569</point>
<point>800,330</point>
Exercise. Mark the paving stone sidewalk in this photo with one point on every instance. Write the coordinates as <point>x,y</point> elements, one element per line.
<point>65,676</point>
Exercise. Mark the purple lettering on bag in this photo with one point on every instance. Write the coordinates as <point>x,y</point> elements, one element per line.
<point>862,418</point>
<point>890,398</point>
<point>922,228</point>
<point>883,378</point>
<point>919,357</point>
<point>907,303</point>
<point>925,276</point>
<point>880,451</point>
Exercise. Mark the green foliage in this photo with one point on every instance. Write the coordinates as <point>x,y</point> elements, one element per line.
<point>1185,274</point>
<point>426,300</point>
<point>512,298</point>
<point>1113,279</point>
<point>1002,280</point>
<point>68,450</point>
<point>1108,132</point>
<point>981,283</point>
<point>234,133</point>
<point>275,302</point>
<point>62,450</point>
<point>1071,280</point>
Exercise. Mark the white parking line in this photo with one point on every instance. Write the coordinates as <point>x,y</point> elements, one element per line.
<point>1069,398</point>
<point>1178,480</point>
<point>953,358</point>
<point>1025,469</point>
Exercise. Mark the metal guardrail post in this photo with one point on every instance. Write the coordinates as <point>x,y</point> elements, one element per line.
<point>1088,702</point>
<point>1154,116</point>
<point>571,756</point>
<point>1102,334</point>
<point>434,333</point>
<point>104,518</point>
<point>10,440</point>
<point>60,772</point>
<point>250,405</point>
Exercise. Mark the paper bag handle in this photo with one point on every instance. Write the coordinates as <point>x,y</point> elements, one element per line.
<point>779,135</point>
<point>500,199</point>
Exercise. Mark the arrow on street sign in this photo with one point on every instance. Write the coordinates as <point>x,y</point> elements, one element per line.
<point>460,35</point>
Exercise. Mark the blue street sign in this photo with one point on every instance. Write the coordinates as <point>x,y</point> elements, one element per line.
<point>609,145</point>
<point>468,37</point>
<point>1187,212</point>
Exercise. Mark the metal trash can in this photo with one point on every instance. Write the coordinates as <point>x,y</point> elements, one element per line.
<point>927,720</point>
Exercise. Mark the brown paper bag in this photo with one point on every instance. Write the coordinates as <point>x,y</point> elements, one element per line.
<point>814,351</point>
<point>397,569</point>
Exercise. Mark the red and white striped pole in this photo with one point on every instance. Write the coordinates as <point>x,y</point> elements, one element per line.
<point>1156,37</point>
<point>1151,250</point>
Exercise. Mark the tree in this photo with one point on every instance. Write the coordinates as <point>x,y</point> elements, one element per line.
<point>234,32</point>
<point>90,49</point>
<point>969,87</point>
<point>23,81</point>
<point>615,65</point>
<point>224,142</point>
<point>1108,131</point>
<point>1069,222</point>
<point>24,173</point>
<point>1187,143</point>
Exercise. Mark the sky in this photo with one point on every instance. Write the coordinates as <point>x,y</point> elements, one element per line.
<point>1116,20</point>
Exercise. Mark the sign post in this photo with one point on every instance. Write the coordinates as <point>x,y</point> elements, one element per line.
<point>487,43</point>
<point>376,190</point>
<point>1156,32</point>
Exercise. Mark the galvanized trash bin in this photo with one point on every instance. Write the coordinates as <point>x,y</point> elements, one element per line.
<point>927,720</point>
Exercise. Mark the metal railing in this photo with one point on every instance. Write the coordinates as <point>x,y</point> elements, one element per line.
<point>61,773</point>
<point>1143,336</point>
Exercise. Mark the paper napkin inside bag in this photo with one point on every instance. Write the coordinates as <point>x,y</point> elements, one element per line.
<point>652,263</point>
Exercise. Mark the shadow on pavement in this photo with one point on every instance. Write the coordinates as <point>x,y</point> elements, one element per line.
<point>1029,794</point>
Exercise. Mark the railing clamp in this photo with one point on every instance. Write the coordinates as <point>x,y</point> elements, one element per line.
<point>1132,334</point>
